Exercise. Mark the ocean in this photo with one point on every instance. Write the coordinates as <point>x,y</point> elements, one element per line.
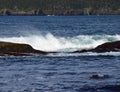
<point>62,71</point>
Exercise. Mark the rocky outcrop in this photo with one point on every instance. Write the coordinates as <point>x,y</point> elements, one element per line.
<point>16,49</point>
<point>99,76</point>
<point>106,47</point>
<point>9,12</point>
<point>69,12</point>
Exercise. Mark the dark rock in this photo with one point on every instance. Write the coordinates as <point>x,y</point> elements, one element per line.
<point>39,12</point>
<point>113,88</point>
<point>106,47</point>
<point>99,76</point>
<point>106,88</point>
<point>7,12</point>
<point>80,51</point>
<point>16,49</point>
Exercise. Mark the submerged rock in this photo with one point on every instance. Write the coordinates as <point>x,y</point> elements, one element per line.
<point>106,47</point>
<point>16,49</point>
<point>115,88</point>
<point>99,76</point>
<point>104,88</point>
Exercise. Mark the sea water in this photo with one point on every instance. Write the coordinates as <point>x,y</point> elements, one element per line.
<point>63,71</point>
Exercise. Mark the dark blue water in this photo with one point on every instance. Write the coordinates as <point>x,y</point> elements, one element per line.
<point>60,73</point>
<point>61,26</point>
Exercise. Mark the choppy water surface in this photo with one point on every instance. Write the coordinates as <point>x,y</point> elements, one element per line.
<point>63,72</point>
<point>57,74</point>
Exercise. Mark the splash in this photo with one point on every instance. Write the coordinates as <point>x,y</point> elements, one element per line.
<point>50,42</point>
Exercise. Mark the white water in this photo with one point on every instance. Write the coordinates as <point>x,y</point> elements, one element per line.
<point>50,42</point>
<point>84,54</point>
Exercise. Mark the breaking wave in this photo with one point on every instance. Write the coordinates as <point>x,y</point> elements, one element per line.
<point>50,42</point>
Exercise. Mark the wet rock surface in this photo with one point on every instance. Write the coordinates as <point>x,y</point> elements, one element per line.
<point>16,49</point>
<point>106,47</point>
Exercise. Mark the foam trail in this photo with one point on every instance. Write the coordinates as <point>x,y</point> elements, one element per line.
<point>50,42</point>
<point>84,54</point>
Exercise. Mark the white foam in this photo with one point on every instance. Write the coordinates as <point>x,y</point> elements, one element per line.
<point>84,54</point>
<point>50,42</point>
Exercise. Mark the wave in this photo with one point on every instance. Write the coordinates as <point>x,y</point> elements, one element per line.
<point>49,42</point>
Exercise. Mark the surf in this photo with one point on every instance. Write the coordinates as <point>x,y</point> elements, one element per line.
<point>50,42</point>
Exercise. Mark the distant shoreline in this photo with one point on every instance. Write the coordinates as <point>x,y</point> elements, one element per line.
<point>59,7</point>
<point>64,15</point>
<point>8,12</point>
<point>56,15</point>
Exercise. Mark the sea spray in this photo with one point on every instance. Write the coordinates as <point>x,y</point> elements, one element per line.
<point>49,42</point>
